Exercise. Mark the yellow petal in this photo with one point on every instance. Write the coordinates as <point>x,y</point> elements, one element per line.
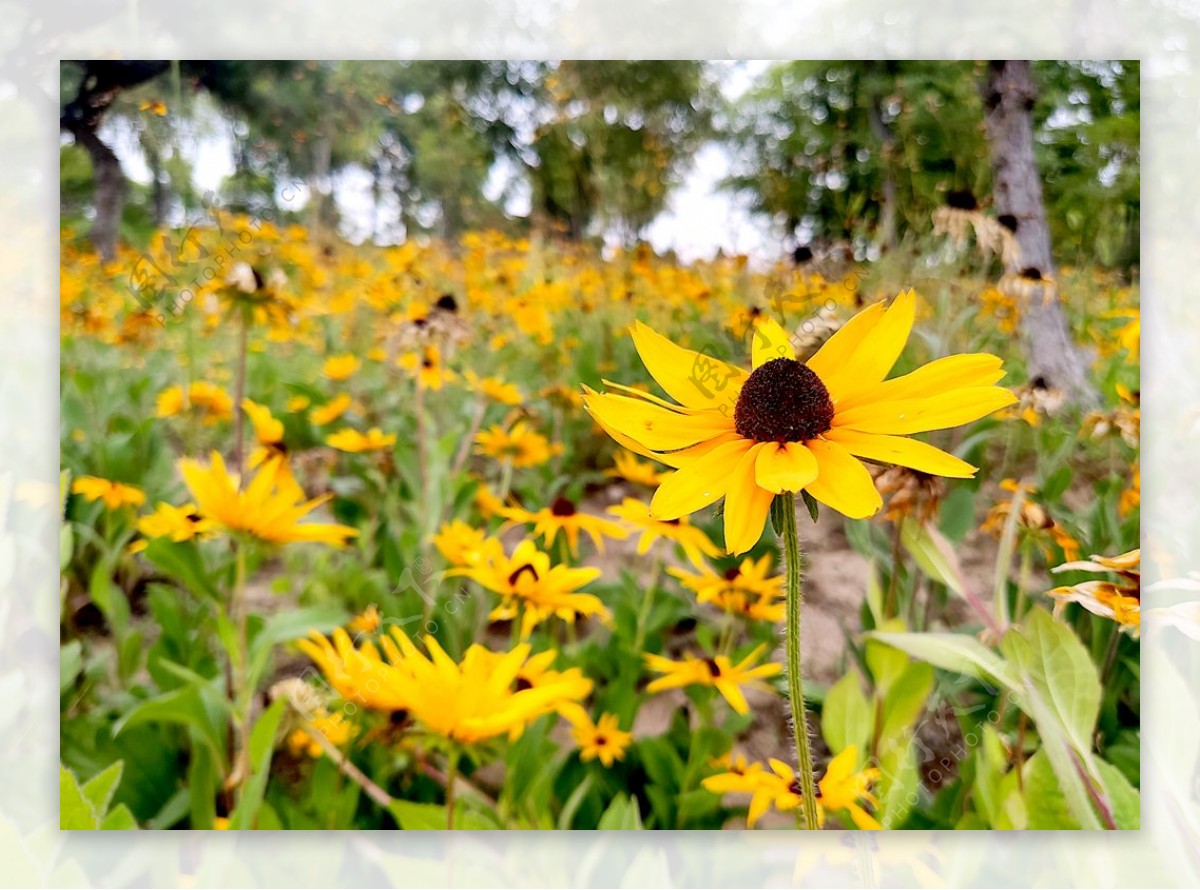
<point>939,376</point>
<point>699,483</point>
<point>746,505</point>
<point>785,467</point>
<point>694,379</point>
<point>901,451</point>
<point>906,416</point>
<point>838,348</point>
<point>878,350</point>
<point>655,427</point>
<point>770,342</point>
<point>842,482</point>
<point>734,695</point>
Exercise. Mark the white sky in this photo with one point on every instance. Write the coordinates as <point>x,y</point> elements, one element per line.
<point>700,218</point>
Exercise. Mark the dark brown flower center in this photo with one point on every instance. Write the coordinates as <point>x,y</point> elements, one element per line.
<point>783,400</point>
<point>562,507</point>
<point>516,576</point>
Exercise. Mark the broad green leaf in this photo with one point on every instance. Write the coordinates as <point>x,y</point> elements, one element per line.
<point>70,664</point>
<point>1125,800</point>
<point>75,811</point>
<point>957,653</point>
<point>905,702</point>
<point>418,816</point>
<point>261,750</point>
<point>1051,659</point>
<point>120,819</point>
<point>184,706</point>
<point>922,543</point>
<point>847,717</point>
<point>886,663</point>
<point>100,788</point>
<point>622,815</point>
<point>181,561</point>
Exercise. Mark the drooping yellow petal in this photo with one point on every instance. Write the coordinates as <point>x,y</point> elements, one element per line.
<point>770,341</point>
<point>902,452</point>
<point>842,482</point>
<point>837,349</point>
<point>746,505</point>
<point>699,483</point>
<point>787,466</point>
<point>906,416</point>
<point>939,376</point>
<point>656,427</point>
<point>694,379</point>
<point>878,350</point>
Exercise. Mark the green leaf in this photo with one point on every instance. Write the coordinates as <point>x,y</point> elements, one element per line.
<point>1053,660</point>
<point>814,508</point>
<point>185,706</point>
<point>75,811</point>
<point>905,702</point>
<point>933,554</point>
<point>846,717</point>
<point>952,652</point>
<point>1125,800</point>
<point>182,562</point>
<point>418,816</point>
<point>1045,802</point>
<point>100,788</point>
<point>120,819</point>
<point>261,750</point>
<point>777,513</point>
<point>70,664</point>
<point>622,815</point>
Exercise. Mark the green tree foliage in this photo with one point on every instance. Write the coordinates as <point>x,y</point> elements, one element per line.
<point>833,150</point>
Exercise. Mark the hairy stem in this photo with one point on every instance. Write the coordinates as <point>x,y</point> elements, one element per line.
<point>791,545</point>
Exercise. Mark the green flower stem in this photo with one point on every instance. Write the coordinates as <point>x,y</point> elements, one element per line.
<point>791,544</point>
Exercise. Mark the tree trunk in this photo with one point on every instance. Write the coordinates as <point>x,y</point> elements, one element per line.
<point>109,195</point>
<point>1054,359</point>
<point>886,238</point>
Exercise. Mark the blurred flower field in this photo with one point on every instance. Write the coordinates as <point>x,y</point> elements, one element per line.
<point>429,537</point>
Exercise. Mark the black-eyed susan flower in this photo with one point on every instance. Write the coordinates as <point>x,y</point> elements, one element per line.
<point>265,508</point>
<point>177,523</point>
<point>365,622</point>
<point>473,700</point>
<point>520,445</point>
<point>209,402</point>
<point>528,585</point>
<point>748,589</point>
<point>603,740</point>
<point>427,367</point>
<point>463,545</point>
<point>562,516</point>
<point>331,410</point>
<point>495,389</point>
<point>341,367</point>
<point>841,789</point>
<point>354,442</point>
<point>1033,522</point>
<point>719,673</point>
<point>695,543</point>
<point>791,426</point>
<point>629,468</point>
<point>114,495</point>
<point>334,728</point>
<point>1119,601</point>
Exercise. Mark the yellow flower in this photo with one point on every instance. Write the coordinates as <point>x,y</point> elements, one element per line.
<point>267,508</point>
<point>177,523</point>
<point>366,621</point>
<point>840,789</point>
<point>220,823</point>
<point>267,429</point>
<point>115,495</point>
<point>562,516</point>
<point>695,543</point>
<point>336,730</point>
<point>212,402</point>
<point>427,367</point>
<point>495,388</point>
<point>633,470</point>
<point>746,590</point>
<point>296,404</point>
<point>341,367</point>
<point>720,673</point>
<point>526,582</point>
<point>1131,497</point>
<point>603,739</point>
<point>790,425</point>
<point>1121,602</point>
<point>462,545</point>
<point>470,701</point>
<point>521,446</point>
<point>331,410</point>
<point>356,443</point>
<point>489,504</point>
